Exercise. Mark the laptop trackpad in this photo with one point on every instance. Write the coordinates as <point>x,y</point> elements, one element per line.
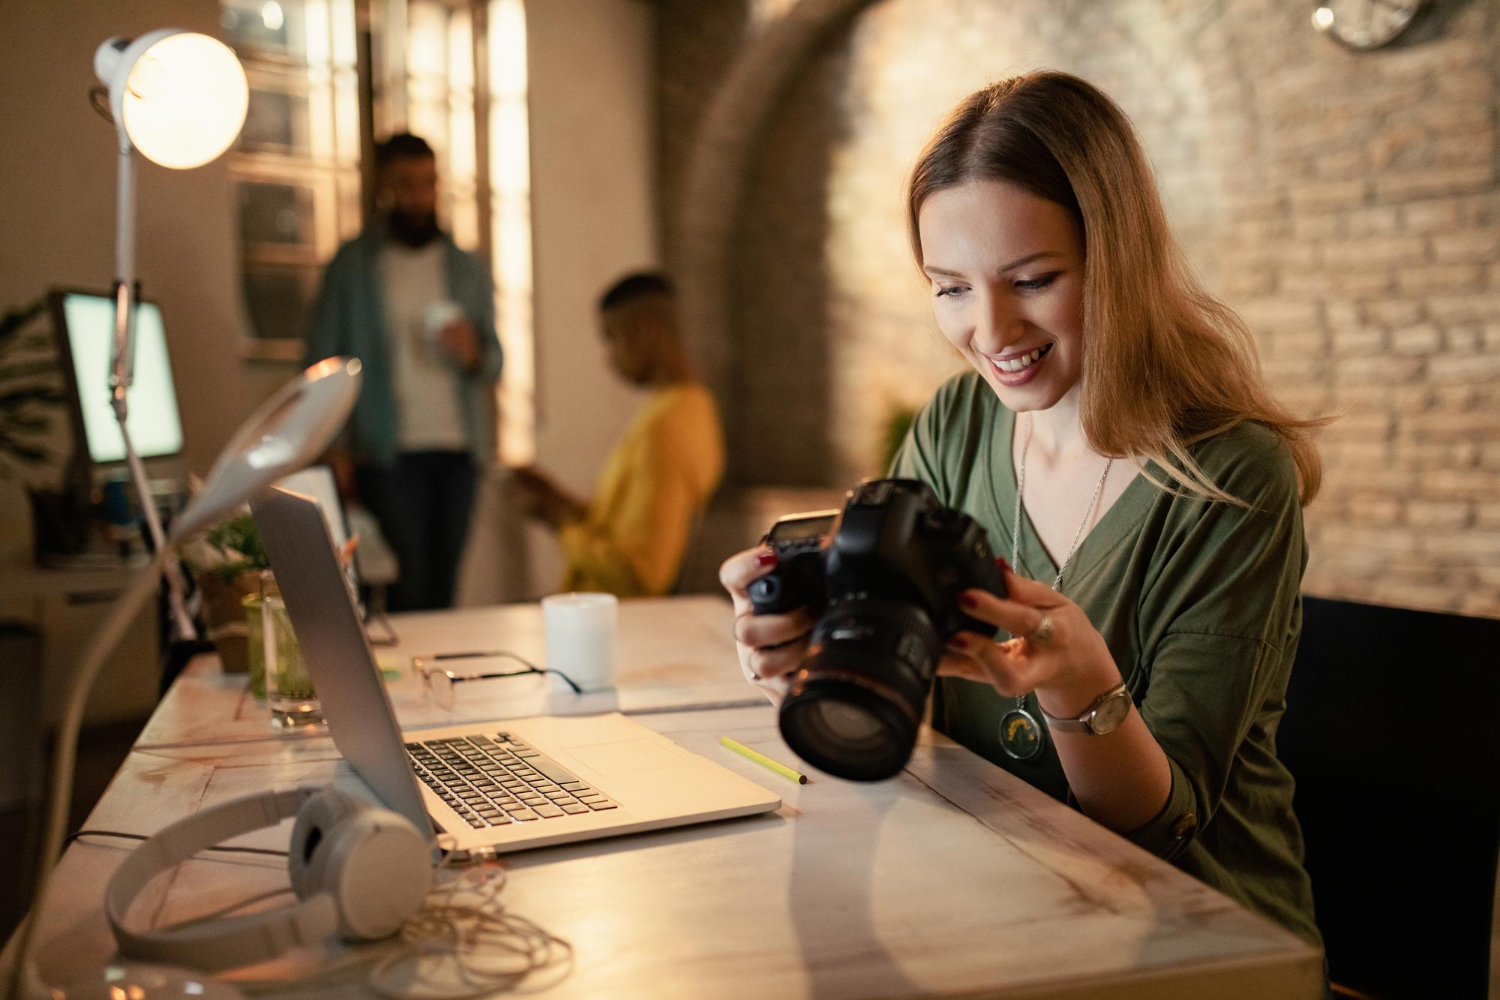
<point>624,757</point>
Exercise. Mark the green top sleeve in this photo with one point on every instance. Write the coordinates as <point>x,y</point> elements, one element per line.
<point>1219,622</point>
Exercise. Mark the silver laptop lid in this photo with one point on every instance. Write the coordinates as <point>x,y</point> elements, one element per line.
<point>333,642</point>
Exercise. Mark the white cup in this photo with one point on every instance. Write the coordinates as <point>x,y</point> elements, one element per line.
<point>437,315</point>
<point>581,632</point>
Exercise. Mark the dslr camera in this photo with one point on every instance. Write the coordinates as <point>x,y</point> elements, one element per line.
<point>881,577</point>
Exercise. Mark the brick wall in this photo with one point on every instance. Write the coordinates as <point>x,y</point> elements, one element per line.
<point>1347,204</point>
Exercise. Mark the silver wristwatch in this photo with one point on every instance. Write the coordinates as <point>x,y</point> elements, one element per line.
<point>1104,715</point>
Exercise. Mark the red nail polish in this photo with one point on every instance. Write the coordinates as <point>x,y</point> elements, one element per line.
<point>967,601</point>
<point>1000,561</point>
<point>765,557</point>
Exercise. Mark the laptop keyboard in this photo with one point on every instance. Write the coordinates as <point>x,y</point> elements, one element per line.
<point>495,780</point>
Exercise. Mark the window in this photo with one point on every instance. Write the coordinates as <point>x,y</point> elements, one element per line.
<point>450,71</point>
<point>295,170</point>
<point>510,227</point>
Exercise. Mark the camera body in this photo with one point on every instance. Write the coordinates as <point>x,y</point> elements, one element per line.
<point>881,577</point>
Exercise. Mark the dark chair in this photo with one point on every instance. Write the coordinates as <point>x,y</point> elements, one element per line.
<point>1392,731</point>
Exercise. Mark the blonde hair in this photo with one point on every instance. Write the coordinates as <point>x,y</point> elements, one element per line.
<point>1165,363</point>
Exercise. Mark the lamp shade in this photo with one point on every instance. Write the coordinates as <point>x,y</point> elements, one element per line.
<point>179,96</point>
<point>289,430</point>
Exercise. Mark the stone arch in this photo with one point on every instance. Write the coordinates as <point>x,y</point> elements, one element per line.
<point>718,169</point>
<point>720,246</point>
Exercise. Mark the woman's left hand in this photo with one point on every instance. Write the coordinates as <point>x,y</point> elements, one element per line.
<point>1067,663</point>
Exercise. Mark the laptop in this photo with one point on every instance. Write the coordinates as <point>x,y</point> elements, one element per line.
<point>509,785</point>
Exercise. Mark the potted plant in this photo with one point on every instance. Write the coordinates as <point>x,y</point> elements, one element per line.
<point>227,562</point>
<point>30,393</point>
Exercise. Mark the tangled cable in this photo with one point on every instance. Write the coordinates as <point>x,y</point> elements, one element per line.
<point>460,944</point>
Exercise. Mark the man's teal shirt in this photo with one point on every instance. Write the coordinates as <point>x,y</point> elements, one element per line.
<point>349,320</point>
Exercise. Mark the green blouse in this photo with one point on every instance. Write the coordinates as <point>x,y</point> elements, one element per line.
<point>1200,604</point>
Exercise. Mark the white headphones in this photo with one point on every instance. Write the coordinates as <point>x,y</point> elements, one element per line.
<point>356,869</point>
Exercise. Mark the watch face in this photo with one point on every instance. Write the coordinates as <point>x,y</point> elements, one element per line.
<point>1110,713</point>
<point>1365,24</point>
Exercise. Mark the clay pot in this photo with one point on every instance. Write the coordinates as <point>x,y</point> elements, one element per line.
<point>224,615</point>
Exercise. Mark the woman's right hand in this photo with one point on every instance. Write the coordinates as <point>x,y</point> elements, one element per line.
<point>770,646</point>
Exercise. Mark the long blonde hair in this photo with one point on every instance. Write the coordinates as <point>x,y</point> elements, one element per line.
<point>1165,363</point>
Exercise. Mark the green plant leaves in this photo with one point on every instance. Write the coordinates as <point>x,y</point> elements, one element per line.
<point>30,389</point>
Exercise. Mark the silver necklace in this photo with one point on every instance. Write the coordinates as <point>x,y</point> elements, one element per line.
<point>1020,736</point>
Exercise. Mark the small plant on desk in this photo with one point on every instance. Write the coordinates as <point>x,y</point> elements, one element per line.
<point>227,561</point>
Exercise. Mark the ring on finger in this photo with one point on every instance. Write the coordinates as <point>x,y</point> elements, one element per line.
<point>1043,631</point>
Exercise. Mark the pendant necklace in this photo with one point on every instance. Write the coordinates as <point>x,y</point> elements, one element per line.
<point>1020,734</point>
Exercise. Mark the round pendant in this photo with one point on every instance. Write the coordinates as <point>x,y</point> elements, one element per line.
<point>1020,736</point>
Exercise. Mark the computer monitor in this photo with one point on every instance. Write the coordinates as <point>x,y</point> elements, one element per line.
<point>85,328</point>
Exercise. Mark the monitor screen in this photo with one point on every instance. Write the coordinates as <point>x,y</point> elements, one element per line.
<point>155,428</point>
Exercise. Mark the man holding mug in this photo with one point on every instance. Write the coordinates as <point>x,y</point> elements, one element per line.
<point>419,313</point>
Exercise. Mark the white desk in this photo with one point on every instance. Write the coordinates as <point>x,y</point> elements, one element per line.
<point>953,879</point>
<point>674,653</point>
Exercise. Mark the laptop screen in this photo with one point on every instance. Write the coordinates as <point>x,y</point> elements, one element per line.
<point>333,642</point>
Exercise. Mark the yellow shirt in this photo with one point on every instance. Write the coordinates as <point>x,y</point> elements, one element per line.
<point>661,474</point>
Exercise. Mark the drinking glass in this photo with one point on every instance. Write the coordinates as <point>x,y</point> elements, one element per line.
<point>289,689</point>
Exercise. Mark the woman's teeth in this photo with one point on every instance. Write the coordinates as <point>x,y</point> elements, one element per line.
<point>1024,361</point>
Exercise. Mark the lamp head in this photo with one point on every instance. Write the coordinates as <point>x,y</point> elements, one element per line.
<point>179,96</point>
<point>290,429</point>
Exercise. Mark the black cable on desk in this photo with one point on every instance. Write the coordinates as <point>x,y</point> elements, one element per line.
<point>140,836</point>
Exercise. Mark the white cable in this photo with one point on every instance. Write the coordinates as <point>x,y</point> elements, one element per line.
<point>462,944</point>
<point>59,797</point>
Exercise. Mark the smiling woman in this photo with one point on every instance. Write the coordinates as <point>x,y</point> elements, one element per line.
<point>1177,365</point>
<point>1007,280</point>
<point>1115,439</point>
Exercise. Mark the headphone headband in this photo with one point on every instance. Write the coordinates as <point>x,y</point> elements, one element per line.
<point>227,943</point>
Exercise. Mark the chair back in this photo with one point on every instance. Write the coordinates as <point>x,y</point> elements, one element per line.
<point>1392,731</point>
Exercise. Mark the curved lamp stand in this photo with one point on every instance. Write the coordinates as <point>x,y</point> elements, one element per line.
<point>287,433</point>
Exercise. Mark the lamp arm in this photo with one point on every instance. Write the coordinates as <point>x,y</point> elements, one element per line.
<point>122,370</point>
<point>122,363</point>
<point>175,586</point>
<point>59,797</point>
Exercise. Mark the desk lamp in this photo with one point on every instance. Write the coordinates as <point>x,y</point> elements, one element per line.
<point>179,98</point>
<point>291,429</point>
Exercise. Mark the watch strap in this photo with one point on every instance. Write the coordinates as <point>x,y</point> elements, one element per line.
<point>1083,722</point>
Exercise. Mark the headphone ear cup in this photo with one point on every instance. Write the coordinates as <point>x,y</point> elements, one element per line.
<point>312,837</point>
<point>379,869</point>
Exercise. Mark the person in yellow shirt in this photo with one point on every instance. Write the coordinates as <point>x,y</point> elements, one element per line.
<point>630,539</point>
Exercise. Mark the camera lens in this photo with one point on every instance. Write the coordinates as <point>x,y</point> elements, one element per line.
<point>845,722</point>
<point>854,708</point>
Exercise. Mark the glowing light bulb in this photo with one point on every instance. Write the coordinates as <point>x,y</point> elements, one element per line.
<point>184,100</point>
<point>146,79</point>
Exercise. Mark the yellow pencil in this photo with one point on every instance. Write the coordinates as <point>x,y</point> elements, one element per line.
<point>763,760</point>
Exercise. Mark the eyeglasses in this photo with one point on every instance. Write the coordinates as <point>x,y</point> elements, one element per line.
<point>441,683</point>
